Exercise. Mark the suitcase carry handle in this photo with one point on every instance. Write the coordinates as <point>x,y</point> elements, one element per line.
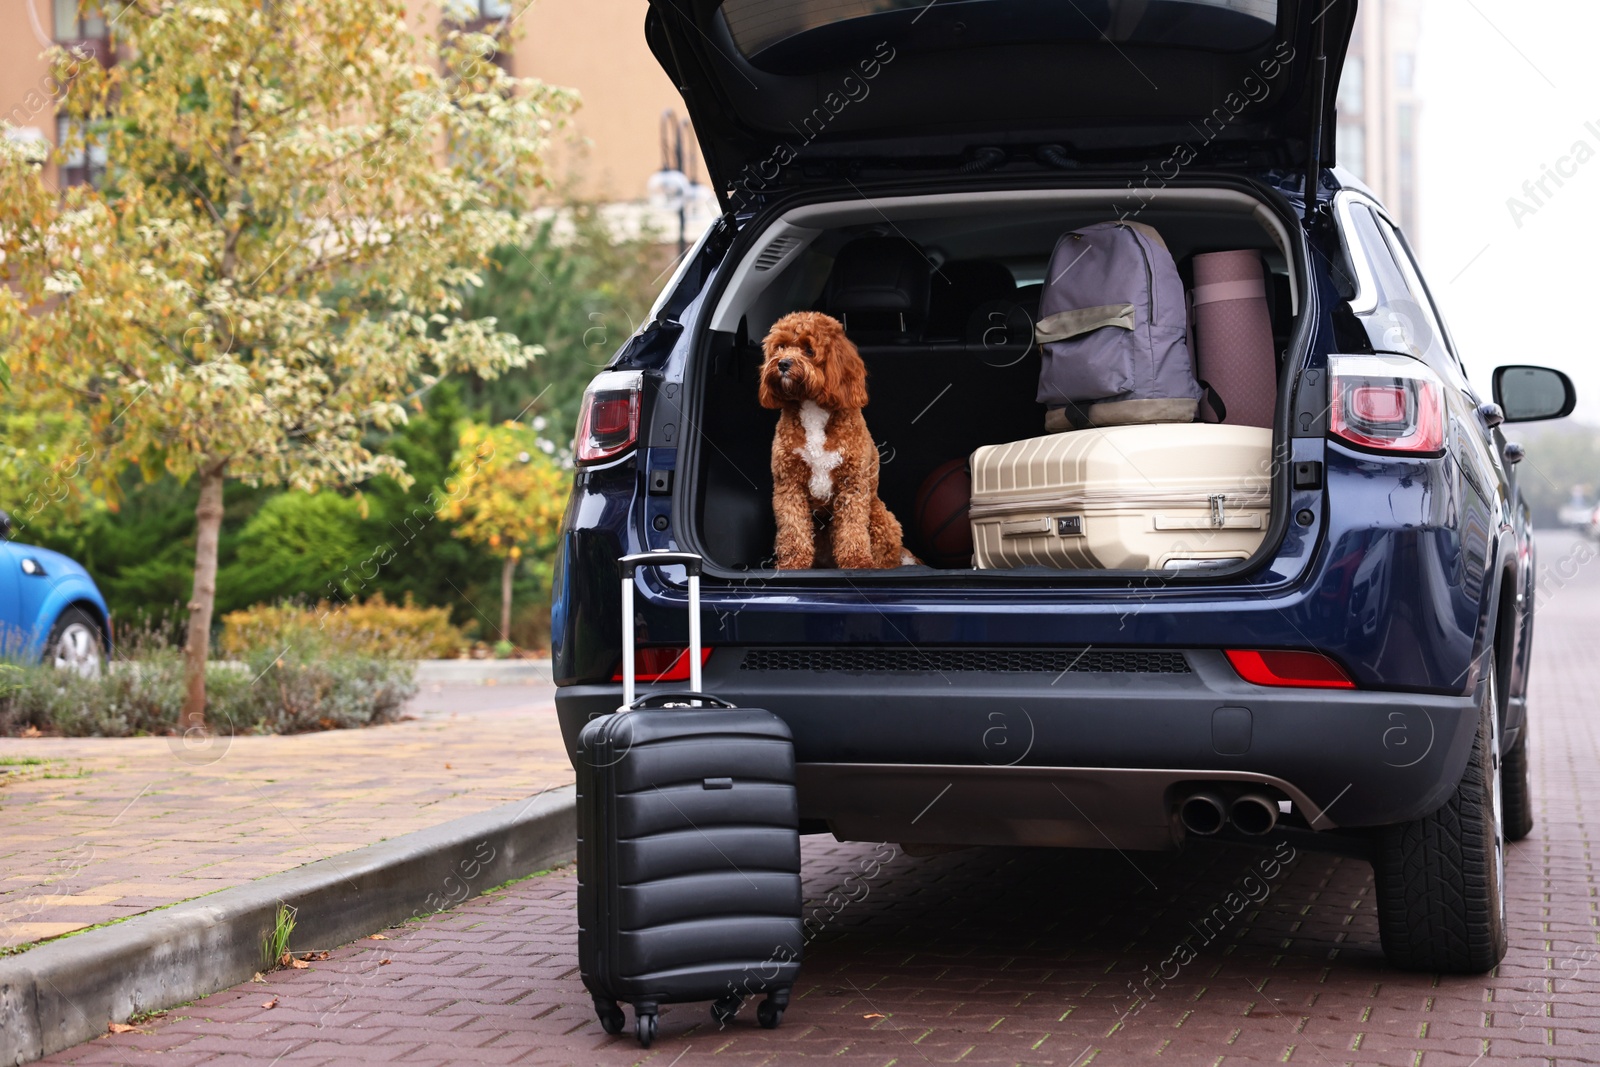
<point>657,700</point>
<point>630,564</point>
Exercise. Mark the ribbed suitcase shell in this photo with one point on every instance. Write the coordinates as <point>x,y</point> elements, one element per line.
<point>1122,497</point>
<point>688,888</point>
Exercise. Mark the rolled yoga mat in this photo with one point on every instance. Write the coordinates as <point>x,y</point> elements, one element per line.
<point>1233,338</point>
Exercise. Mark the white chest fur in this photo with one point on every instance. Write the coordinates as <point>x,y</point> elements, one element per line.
<point>815,454</point>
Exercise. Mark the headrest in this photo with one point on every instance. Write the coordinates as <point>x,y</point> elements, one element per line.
<point>959,287</point>
<point>879,286</point>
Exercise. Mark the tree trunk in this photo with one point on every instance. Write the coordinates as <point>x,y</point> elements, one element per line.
<point>506,574</point>
<point>197,647</point>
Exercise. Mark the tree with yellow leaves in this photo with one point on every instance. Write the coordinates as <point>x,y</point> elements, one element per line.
<point>297,196</point>
<point>506,494</point>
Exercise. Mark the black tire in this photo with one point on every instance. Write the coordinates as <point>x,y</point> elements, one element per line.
<point>1441,878</point>
<point>81,631</point>
<point>644,1028</point>
<point>769,1015</point>
<point>1515,792</point>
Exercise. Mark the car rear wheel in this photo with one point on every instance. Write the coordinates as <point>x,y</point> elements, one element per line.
<point>75,644</point>
<point>1515,788</point>
<point>1441,878</point>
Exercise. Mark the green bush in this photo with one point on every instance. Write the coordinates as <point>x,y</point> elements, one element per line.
<point>283,690</point>
<point>297,545</point>
<point>374,628</point>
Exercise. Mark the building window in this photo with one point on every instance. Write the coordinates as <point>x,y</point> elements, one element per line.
<point>1405,70</point>
<point>1351,148</point>
<point>82,163</point>
<point>79,23</point>
<point>484,16</point>
<point>478,11</point>
<point>1352,87</point>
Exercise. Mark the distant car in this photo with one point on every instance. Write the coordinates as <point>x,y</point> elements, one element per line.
<point>50,609</point>
<point>1592,527</point>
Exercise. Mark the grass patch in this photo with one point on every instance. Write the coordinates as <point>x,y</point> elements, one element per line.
<point>275,944</point>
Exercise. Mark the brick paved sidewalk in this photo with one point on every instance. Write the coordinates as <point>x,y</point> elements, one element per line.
<point>1004,956</point>
<point>109,827</point>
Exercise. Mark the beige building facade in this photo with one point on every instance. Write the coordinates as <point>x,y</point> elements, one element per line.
<point>594,46</point>
<point>615,141</point>
<point>1378,106</point>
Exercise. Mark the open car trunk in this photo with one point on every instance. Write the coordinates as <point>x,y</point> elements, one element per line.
<point>964,376</point>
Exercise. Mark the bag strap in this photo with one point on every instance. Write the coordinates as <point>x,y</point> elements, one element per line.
<point>1064,325</point>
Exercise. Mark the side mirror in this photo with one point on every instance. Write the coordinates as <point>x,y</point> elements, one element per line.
<point>5,525</point>
<point>1528,394</point>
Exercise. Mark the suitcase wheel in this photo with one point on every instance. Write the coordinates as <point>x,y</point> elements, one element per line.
<point>611,1018</point>
<point>769,1014</point>
<point>644,1028</point>
<point>723,1010</point>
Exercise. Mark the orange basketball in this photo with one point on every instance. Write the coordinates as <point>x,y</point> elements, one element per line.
<point>943,532</point>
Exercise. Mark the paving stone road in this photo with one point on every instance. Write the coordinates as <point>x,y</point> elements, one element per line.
<point>994,956</point>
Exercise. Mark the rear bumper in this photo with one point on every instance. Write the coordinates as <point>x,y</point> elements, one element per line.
<point>1020,757</point>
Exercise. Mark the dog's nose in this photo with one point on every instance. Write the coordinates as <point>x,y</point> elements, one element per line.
<point>784,365</point>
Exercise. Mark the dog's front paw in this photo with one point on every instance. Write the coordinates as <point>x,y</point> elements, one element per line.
<point>795,559</point>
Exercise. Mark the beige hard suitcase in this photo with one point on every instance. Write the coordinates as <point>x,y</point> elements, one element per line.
<point>1166,496</point>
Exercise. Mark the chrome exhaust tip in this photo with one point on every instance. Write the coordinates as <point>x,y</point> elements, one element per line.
<point>1202,814</point>
<point>1253,814</point>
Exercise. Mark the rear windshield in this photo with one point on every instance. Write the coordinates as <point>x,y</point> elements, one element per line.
<point>790,29</point>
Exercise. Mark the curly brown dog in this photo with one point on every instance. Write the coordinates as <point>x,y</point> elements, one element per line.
<point>824,463</point>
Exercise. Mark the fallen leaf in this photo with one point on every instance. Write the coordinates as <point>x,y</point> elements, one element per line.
<point>283,960</point>
<point>299,965</point>
<point>313,955</point>
<point>448,767</point>
<point>377,937</point>
<point>383,963</point>
<point>273,1003</point>
<point>124,1028</point>
<point>33,731</point>
<point>259,977</point>
<point>872,1015</point>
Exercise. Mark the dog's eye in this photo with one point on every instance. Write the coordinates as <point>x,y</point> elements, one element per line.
<point>806,348</point>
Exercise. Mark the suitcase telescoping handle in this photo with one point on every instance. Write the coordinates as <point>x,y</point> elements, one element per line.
<point>691,563</point>
<point>679,700</point>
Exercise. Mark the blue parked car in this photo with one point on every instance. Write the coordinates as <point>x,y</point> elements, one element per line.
<point>1358,684</point>
<point>50,608</point>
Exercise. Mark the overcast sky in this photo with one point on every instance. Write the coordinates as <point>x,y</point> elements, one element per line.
<point>1508,88</point>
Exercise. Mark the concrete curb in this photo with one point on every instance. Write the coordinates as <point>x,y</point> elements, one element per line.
<point>483,672</point>
<point>66,992</point>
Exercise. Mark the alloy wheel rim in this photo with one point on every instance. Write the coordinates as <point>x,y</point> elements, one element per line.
<point>78,650</point>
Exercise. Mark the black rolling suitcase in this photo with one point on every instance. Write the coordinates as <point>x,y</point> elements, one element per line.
<point>688,846</point>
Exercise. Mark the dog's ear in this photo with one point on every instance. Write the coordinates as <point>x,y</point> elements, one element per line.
<point>846,375</point>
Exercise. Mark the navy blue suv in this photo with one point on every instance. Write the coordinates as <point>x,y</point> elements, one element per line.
<point>1357,684</point>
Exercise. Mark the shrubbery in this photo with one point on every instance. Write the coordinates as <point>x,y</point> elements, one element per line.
<point>375,628</point>
<point>292,676</point>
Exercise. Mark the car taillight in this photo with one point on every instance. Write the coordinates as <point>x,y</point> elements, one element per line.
<point>1301,670</point>
<point>608,420</point>
<point>661,664</point>
<point>1391,403</point>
